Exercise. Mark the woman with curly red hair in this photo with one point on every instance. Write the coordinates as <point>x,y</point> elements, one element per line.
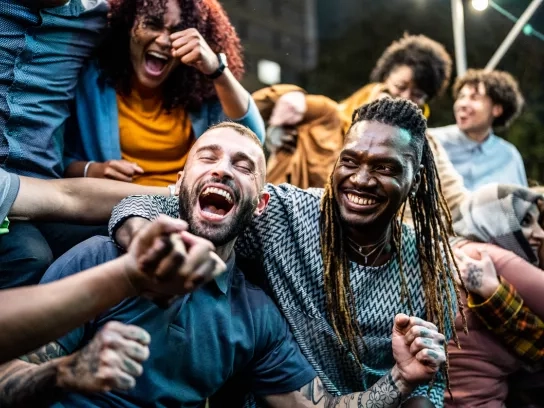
<point>165,72</point>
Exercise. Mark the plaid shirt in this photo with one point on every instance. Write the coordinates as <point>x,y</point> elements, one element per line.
<point>505,315</point>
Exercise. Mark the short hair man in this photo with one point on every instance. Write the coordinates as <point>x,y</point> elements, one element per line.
<point>338,261</point>
<point>484,101</point>
<point>227,327</point>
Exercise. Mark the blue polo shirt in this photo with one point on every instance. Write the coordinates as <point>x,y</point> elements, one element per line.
<point>227,328</point>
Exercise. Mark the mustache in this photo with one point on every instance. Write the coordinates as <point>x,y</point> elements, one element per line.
<point>226,181</point>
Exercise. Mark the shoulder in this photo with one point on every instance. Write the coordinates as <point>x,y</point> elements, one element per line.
<point>444,132</point>
<point>288,191</point>
<point>508,147</point>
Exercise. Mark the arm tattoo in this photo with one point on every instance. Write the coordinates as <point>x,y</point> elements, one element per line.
<point>32,381</point>
<point>474,278</point>
<point>383,394</point>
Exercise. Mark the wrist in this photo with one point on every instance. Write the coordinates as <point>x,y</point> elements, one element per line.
<point>64,376</point>
<point>404,387</point>
<point>488,288</point>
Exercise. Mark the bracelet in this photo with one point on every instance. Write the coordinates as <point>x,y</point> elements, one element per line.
<point>86,169</point>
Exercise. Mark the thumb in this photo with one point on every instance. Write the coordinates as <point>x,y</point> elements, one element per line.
<point>401,322</point>
<point>138,169</point>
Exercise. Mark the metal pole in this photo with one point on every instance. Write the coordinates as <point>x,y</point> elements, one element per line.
<point>512,35</point>
<point>459,36</point>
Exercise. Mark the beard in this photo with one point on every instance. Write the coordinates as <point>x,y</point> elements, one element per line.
<point>218,234</point>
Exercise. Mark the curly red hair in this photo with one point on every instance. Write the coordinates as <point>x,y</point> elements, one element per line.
<point>185,86</point>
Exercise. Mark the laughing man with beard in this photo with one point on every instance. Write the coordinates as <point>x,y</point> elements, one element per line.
<point>224,328</point>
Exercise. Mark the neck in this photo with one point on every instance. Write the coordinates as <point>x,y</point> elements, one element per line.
<point>144,93</point>
<point>225,251</point>
<point>371,236</point>
<point>479,135</point>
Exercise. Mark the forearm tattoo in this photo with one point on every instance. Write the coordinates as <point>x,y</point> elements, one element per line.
<point>30,382</point>
<point>383,394</point>
<point>474,277</point>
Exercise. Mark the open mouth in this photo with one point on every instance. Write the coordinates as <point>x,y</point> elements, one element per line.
<point>215,203</point>
<point>155,62</point>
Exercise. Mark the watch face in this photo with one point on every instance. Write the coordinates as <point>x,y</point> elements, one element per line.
<point>223,59</point>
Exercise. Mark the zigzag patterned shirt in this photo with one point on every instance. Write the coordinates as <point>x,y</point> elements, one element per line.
<point>285,238</point>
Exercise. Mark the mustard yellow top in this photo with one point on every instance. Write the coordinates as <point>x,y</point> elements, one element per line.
<point>156,140</point>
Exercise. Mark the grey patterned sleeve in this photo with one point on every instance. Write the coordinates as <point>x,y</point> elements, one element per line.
<point>144,206</point>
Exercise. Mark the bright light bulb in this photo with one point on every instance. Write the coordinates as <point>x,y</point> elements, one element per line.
<point>480,5</point>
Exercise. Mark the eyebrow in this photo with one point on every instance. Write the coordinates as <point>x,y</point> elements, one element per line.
<point>212,147</point>
<point>238,156</point>
<point>386,160</point>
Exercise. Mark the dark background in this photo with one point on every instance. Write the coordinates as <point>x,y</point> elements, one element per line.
<point>330,46</point>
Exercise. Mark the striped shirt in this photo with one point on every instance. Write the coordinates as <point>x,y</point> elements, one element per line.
<point>286,239</point>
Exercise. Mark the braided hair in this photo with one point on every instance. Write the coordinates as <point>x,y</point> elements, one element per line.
<point>432,224</point>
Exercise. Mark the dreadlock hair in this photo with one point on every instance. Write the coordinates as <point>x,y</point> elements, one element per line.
<point>428,59</point>
<point>432,224</point>
<point>185,86</point>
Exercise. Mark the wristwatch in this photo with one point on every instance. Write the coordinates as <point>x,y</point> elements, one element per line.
<point>222,58</point>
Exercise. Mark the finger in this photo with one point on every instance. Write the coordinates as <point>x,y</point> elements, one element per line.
<point>191,57</point>
<point>484,256</point>
<point>122,166</point>
<point>202,275</point>
<point>421,331</point>
<point>183,46</point>
<point>161,226</point>
<point>191,240</point>
<point>421,343</point>
<point>460,255</point>
<point>128,331</point>
<point>188,32</point>
<point>401,322</point>
<point>431,358</point>
<point>173,261</point>
<point>138,169</point>
<point>198,255</point>
<point>113,174</point>
<point>149,261</point>
<point>114,378</point>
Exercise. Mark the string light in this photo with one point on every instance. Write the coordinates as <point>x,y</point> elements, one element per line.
<point>480,5</point>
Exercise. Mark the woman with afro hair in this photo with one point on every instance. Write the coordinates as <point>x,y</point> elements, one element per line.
<point>165,71</point>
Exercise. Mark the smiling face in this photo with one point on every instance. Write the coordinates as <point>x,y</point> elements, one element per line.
<point>374,174</point>
<point>532,231</point>
<point>150,46</point>
<point>222,185</point>
<point>400,84</point>
<point>474,110</point>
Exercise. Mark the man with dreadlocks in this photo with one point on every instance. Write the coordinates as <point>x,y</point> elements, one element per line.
<point>338,261</point>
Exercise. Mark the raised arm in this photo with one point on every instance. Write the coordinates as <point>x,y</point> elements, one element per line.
<point>418,349</point>
<point>82,199</point>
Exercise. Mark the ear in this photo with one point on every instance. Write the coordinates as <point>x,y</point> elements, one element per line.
<point>497,110</point>
<point>263,202</point>
<point>178,182</point>
<point>417,181</point>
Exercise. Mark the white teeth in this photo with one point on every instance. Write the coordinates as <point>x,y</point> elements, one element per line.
<point>216,190</point>
<point>157,55</point>
<point>360,200</point>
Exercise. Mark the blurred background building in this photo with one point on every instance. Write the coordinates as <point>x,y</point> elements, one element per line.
<point>279,38</point>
